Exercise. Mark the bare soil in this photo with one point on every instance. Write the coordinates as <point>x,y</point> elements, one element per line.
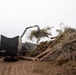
<point>23,67</point>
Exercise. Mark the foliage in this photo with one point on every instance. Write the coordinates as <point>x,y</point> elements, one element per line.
<point>38,34</point>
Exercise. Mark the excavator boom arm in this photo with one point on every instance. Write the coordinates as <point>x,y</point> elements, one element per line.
<point>28,28</point>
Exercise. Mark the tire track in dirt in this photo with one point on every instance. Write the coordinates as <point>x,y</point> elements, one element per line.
<point>23,67</point>
<point>3,69</point>
<point>16,70</point>
<point>8,68</point>
<point>20,67</point>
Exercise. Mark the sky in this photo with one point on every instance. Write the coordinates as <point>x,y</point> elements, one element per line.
<point>16,15</point>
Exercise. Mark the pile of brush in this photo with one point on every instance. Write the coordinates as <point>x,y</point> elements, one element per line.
<point>65,46</point>
<point>40,48</point>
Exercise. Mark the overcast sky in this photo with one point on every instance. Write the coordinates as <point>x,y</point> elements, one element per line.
<point>16,15</point>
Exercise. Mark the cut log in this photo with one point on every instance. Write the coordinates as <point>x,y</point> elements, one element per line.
<point>46,51</point>
<point>47,55</point>
<point>29,58</point>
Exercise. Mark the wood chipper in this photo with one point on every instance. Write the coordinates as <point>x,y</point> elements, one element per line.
<point>10,48</point>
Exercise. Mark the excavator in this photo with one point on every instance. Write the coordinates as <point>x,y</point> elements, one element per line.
<point>10,48</point>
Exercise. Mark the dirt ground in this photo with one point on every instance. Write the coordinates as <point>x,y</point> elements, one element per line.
<point>23,67</point>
